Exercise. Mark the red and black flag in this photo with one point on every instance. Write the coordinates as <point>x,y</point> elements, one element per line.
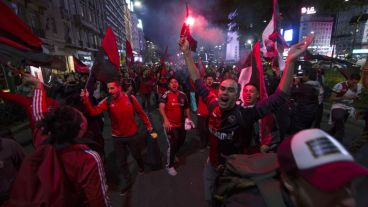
<point>106,66</point>
<point>185,32</point>
<point>253,74</point>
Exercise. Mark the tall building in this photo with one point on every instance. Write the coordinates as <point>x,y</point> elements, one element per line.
<point>151,54</point>
<point>115,18</point>
<point>347,28</point>
<point>320,26</point>
<point>128,20</point>
<point>137,36</point>
<point>67,27</point>
<point>84,26</point>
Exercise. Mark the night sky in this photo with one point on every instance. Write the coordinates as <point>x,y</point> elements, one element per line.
<point>162,19</point>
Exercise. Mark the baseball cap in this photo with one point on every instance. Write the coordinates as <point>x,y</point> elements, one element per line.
<point>320,159</point>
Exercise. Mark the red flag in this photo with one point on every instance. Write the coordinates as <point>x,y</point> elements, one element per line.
<point>253,74</point>
<point>110,47</point>
<point>15,32</point>
<point>185,31</point>
<point>79,66</point>
<point>129,53</point>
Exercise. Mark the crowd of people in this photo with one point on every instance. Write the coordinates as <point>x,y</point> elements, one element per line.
<point>66,119</point>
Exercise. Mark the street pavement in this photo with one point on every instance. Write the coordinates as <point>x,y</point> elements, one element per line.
<point>157,188</point>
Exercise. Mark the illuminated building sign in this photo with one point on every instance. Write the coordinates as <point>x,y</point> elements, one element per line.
<point>308,10</point>
<point>360,51</point>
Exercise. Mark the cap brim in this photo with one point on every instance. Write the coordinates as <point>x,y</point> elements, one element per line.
<point>333,176</point>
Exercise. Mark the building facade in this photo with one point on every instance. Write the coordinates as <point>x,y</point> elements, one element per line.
<point>321,27</point>
<point>115,18</point>
<point>349,33</point>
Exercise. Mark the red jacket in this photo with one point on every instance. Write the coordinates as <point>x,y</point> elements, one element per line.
<point>35,106</point>
<point>54,177</point>
<point>121,112</point>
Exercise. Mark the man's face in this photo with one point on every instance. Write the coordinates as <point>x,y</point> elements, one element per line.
<point>209,81</point>
<point>306,195</point>
<point>228,94</point>
<point>114,89</point>
<point>250,95</point>
<point>173,85</point>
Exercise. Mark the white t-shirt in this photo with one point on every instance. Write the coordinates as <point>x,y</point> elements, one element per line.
<point>348,102</point>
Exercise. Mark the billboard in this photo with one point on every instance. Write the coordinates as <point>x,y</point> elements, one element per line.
<point>288,35</point>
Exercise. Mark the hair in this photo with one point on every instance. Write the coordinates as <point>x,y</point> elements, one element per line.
<point>61,124</point>
<point>250,84</point>
<point>210,75</point>
<point>310,72</point>
<point>172,77</point>
<point>116,81</point>
<point>354,76</point>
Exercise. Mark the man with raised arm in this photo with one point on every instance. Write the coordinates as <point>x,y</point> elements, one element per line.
<point>231,125</point>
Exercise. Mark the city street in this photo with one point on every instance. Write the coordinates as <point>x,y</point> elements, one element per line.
<point>76,53</point>
<point>158,189</point>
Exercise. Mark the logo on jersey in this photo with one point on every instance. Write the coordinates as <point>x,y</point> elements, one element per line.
<point>221,135</point>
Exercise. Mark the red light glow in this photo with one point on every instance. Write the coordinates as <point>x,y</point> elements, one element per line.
<point>189,21</point>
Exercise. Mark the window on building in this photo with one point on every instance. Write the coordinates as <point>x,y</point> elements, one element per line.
<point>66,4</point>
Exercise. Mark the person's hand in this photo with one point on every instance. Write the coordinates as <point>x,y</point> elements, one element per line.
<point>184,45</point>
<point>167,125</point>
<point>264,148</point>
<point>189,124</point>
<point>297,49</point>
<point>84,93</point>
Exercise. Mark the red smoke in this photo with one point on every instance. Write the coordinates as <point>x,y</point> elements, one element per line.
<point>202,30</point>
